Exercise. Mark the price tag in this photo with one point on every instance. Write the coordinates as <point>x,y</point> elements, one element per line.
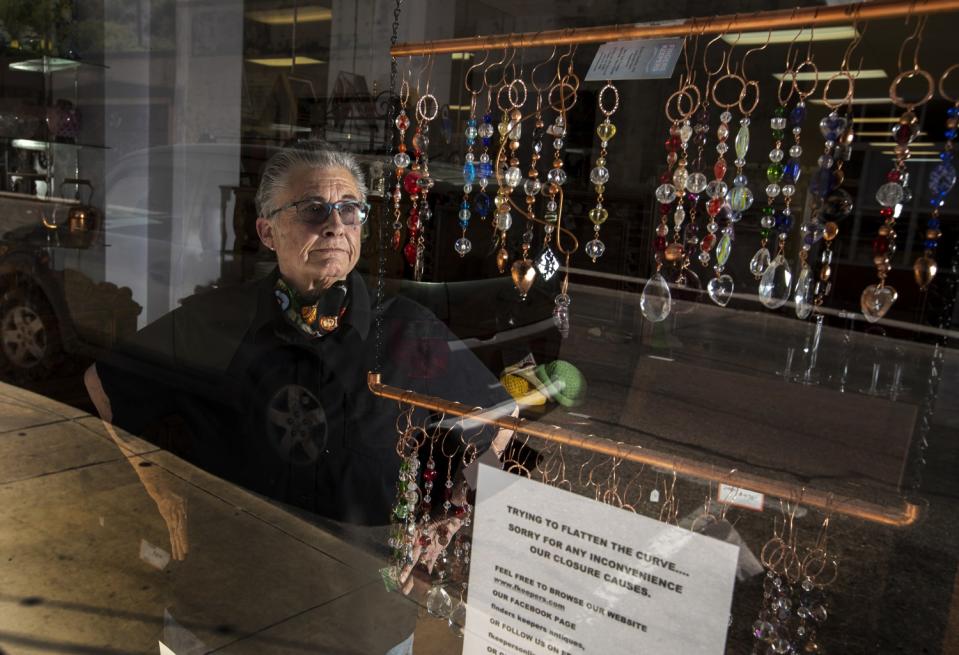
<point>741,497</point>
<point>645,59</point>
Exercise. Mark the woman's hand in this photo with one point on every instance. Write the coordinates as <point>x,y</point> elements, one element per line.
<point>438,534</point>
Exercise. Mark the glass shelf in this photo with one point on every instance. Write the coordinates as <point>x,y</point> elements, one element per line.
<point>47,64</point>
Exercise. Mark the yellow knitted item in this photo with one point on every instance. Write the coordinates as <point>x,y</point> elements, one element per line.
<point>521,390</point>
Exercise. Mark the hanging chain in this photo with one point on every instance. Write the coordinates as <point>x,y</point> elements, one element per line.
<point>381,223</point>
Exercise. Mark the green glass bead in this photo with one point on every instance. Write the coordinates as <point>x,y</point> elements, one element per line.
<point>774,173</point>
<point>401,511</point>
<point>723,250</point>
<point>778,135</point>
<point>606,131</point>
<point>550,217</point>
<point>598,215</point>
<point>764,233</point>
<point>779,111</point>
<point>768,210</point>
<point>405,466</point>
<point>742,142</point>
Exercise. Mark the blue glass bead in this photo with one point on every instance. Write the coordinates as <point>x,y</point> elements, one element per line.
<point>821,183</point>
<point>469,172</point>
<point>797,115</point>
<point>783,221</point>
<point>787,179</point>
<point>941,179</point>
<point>952,111</point>
<point>465,204</point>
<point>486,141</point>
<point>471,122</point>
<point>487,118</point>
<point>809,240</point>
<point>930,244</point>
<point>481,205</point>
<point>933,223</point>
<point>951,134</point>
<point>945,156</point>
<point>792,169</point>
<point>486,169</point>
<point>470,142</point>
<point>464,224</point>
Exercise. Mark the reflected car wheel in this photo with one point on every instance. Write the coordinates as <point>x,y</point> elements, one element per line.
<point>30,345</point>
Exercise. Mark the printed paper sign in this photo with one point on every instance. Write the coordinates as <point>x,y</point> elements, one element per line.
<point>645,59</point>
<point>555,572</point>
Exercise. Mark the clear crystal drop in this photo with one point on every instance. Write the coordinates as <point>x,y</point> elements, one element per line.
<point>802,295</point>
<point>457,619</point>
<point>686,132</point>
<point>776,283</point>
<point>665,193</point>
<point>656,301</point>
<point>463,246</point>
<point>696,183</point>
<point>759,263</point>
<point>595,249</point>
<point>717,189</point>
<point>599,175</point>
<point>742,142</point>
<point>438,602</point>
<point>720,289</point>
<point>679,216</point>
<point>890,194</point>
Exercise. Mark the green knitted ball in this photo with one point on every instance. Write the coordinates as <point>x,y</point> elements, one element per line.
<point>566,384</point>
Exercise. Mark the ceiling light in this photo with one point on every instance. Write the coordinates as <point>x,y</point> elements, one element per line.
<point>914,144</point>
<point>810,76</point>
<point>875,119</point>
<point>913,152</point>
<point>923,160</point>
<point>286,61</point>
<point>836,33</point>
<point>459,107</point>
<point>461,55</point>
<point>855,101</point>
<point>882,134</point>
<point>285,16</point>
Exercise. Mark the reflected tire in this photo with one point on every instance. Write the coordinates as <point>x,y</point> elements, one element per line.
<point>30,343</point>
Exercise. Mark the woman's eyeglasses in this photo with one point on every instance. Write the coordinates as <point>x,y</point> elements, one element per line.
<point>315,211</point>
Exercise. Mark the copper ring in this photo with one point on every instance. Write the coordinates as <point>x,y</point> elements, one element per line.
<point>560,105</point>
<point>752,107</point>
<point>942,84</point>
<point>421,107</point>
<point>742,90</point>
<point>404,93</point>
<point>779,91</point>
<point>678,97</point>
<point>516,104</point>
<point>847,99</point>
<point>503,106</point>
<point>809,63</point>
<point>609,87</point>
<point>906,75</point>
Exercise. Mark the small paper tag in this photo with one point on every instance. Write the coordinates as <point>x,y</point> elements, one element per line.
<point>741,497</point>
<point>645,59</point>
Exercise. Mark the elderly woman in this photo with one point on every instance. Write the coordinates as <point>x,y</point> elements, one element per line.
<point>269,379</point>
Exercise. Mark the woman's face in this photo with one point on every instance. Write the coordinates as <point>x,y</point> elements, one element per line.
<point>313,257</point>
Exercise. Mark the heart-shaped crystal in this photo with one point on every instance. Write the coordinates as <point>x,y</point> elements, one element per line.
<point>876,301</point>
<point>523,273</point>
<point>720,289</point>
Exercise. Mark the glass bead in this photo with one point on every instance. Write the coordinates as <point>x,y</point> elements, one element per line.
<point>504,221</point>
<point>485,130</point>
<point>516,132</point>
<point>595,249</point>
<point>464,214</point>
<point>467,188</point>
<point>469,172</point>
<point>679,178</point>
<point>798,114</point>
<point>482,204</point>
<point>740,198</point>
<point>556,176</point>
<point>656,301</point>
<point>685,132</point>
<point>724,249</point>
<point>759,262</point>
<point>679,216</point>
<point>837,205</point>
<point>722,148</point>
<point>774,172</point>
<point>775,284</point>
<point>825,161</point>
<point>784,222</point>
<point>795,151</point>
<point>792,170</point>
<point>600,175</point>
<point>717,189</point>
<point>421,142</point>
<point>558,144</point>
<point>776,155</point>
<point>471,132</point>
<point>740,180</point>
<point>598,215</point>
<point>402,121</point>
<point>832,126</point>
<point>556,130</point>
<point>890,194</point>
<point>401,160</point>
<point>777,123</point>
<point>463,246</point>
<point>942,179</point>
<point>767,221</point>
<point>725,117</point>
<point>788,190</point>
<point>532,187</point>
<point>696,183</point>
<point>606,131</point>
<point>665,193</point>
<point>513,177</point>
<point>772,190</point>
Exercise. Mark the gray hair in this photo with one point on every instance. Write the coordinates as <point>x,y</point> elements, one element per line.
<point>311,154</point>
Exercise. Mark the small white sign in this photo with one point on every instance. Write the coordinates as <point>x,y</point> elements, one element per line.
<point>555,572</point>
<point>645,59</point>
<point>741,497</point>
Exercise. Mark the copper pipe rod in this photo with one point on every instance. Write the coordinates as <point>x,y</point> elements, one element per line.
<point>898,516</point>
<point>766,20</point>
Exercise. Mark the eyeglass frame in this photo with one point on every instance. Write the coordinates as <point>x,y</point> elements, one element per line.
<point>330,207</point>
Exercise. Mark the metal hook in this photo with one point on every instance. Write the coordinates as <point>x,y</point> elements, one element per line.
<point>729,55</point>
<point>917,37</point>
<point>844,66</point>
<point>491,66</point>
<point>466,79</point>
<point>532,75</point>
<point>722,60</point>
<point>742,63</point>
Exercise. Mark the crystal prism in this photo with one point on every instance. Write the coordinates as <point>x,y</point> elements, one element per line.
<point>547,264</point>
<point>802,295</point>
<point>876,301</point>
<point>775,284</point>
<point>656,301</point>
<point>759,263</point>
<point>438,602</point>
<point>720,289</point>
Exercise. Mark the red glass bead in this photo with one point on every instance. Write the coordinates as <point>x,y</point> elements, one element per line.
<point>665,209</point>
<point>429,474</point>
<point>660,244</point>
<point>903,134</point>
<point>409,251</point>
<point>893,176</point>
<point>666,178</point>
<point>409,183</point>
<point>424,541</point>
<point>880,246</point>
<point>886,211</point>
<point>413,223</point>
<point>397,239</point>
<point>675,142</point>
<point>715,205</point>
<point>708,242</point>
<point>459,512</point>
<point>447,492</point>
<point>669,145</point>
<point>719,169</point>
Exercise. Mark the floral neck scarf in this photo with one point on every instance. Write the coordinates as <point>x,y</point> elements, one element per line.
<point>316,319</point>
